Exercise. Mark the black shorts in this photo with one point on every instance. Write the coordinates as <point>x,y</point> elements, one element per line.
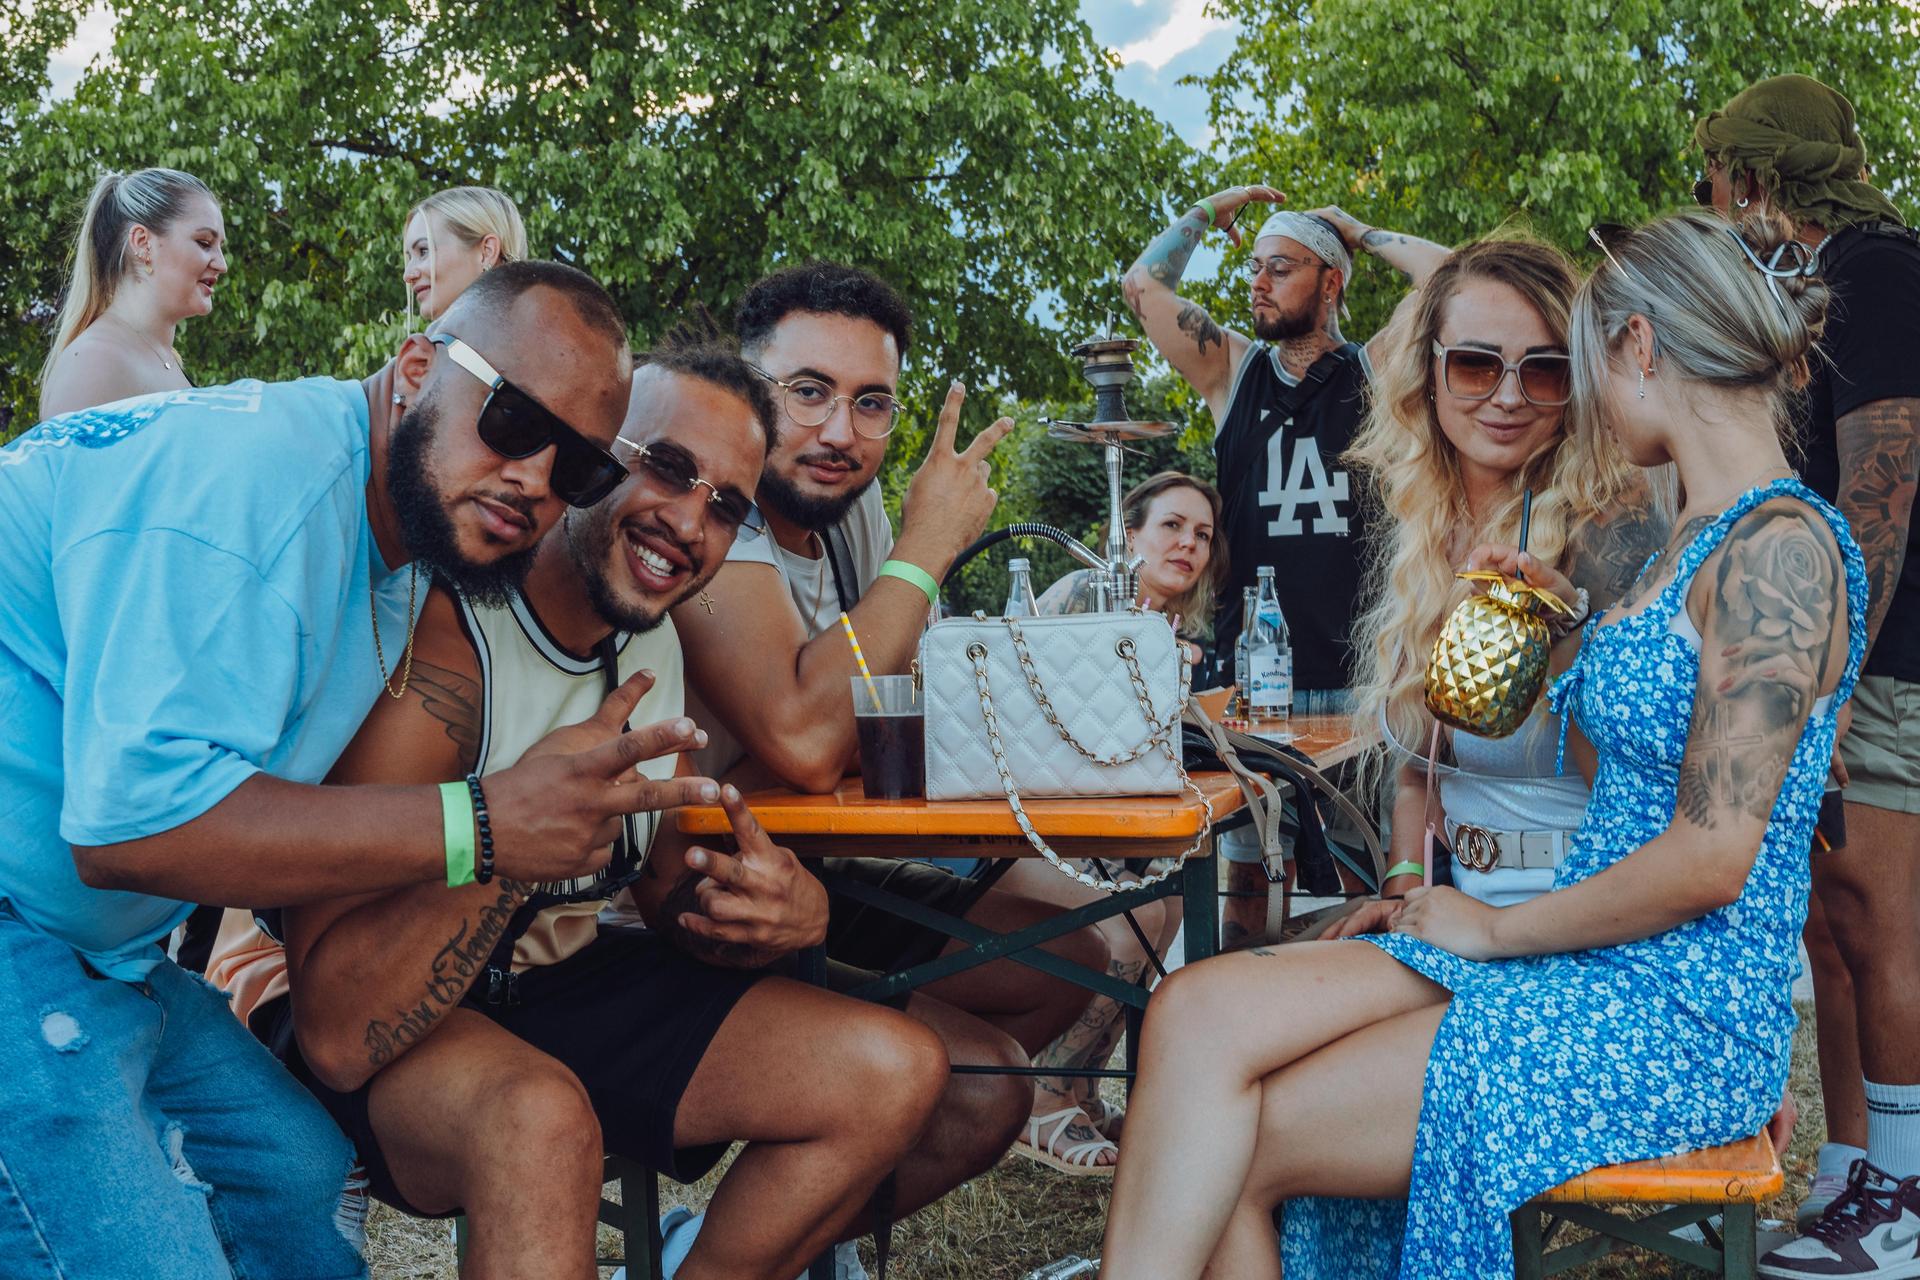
<point>629,1015</point>
<point>868,938</point>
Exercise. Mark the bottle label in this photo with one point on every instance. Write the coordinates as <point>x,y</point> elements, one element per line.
<point>1271,675</point>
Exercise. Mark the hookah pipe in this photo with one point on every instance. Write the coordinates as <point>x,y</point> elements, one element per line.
<point>1037,529</point>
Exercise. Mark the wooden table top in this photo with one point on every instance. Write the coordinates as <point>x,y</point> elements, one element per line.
<point>1327,740</point>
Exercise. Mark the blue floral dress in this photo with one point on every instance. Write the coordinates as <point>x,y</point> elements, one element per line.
<point>1547,1066</point>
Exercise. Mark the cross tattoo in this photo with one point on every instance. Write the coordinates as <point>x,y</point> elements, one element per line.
<point>705,601</point>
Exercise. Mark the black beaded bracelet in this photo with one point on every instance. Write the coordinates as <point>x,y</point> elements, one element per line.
<point>483,873</point>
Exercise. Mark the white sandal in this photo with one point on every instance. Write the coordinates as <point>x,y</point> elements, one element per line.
<point>1079,1159</point>
<point>1102,1114</point>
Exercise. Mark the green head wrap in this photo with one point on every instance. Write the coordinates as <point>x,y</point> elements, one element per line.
<point>1796,135</point>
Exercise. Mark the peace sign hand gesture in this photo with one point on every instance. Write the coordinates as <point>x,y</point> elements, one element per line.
<point>951,496</point>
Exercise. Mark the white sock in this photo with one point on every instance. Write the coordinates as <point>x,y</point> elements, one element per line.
<point>1836,1158</point>
<point>1893,1128</point>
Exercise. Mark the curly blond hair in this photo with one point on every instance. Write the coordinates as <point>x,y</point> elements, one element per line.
<point>1421,517</point>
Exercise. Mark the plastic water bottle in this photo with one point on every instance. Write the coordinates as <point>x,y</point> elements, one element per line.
<point>1243,691</point>
<point>1020,603</point>
<point>1270,654</point>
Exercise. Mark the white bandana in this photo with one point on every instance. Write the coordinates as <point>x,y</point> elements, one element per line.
<point>1320,239</point>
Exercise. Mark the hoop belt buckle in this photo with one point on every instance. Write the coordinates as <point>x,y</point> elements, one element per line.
<point>1477,848</point>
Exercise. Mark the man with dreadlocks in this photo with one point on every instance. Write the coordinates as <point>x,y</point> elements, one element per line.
<point>1789,145</point>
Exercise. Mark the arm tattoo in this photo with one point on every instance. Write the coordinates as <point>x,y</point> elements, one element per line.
<point>682,899</point>
<point>1879,447</point>
<point>1198,325</point>
<point>453,700</point>
<point>1768,638</point>
<point>1165,260</point>
<point>1605,555</point>
<point>452,971</point>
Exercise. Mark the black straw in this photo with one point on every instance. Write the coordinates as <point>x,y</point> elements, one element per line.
<point>1526,519</point>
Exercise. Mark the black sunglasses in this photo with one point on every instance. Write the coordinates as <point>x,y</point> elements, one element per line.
<point>515,425</point>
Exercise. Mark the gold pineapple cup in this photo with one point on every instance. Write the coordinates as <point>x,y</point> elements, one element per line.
<point>1490,661</point>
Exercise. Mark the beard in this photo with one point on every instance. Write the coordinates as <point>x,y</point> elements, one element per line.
<point>427,528</point>
<point>590,544</point>
<point>813,512</point>
<point>1285,325</point>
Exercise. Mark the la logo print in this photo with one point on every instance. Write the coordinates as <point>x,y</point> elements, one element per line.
<point>1305,483</point>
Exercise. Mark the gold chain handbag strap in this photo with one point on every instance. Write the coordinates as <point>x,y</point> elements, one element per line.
<point>1157,731</point>
<point>977,654</point>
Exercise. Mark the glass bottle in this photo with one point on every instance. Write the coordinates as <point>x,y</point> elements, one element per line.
<point>1020,602</point>
<point>1270,654</point>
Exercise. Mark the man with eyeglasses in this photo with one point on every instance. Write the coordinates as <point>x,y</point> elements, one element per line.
<point>1287,403</point>
<point>203,593</point>
<point>484,1046</point>
<point>769,667</point>
<point>1788,146</point>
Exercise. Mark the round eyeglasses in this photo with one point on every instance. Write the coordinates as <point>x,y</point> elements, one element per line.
<point>811,402</point>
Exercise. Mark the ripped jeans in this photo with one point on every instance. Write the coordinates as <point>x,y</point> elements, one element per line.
<point>145,1134</point>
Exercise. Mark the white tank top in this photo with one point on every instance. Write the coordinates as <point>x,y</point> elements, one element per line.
<point>530,686</point>
<point>1509,784</point>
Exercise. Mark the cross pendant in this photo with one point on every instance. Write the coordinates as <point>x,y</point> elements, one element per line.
<point>705,601</point>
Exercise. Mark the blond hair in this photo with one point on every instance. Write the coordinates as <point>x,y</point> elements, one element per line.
<point>1420,495</point>
<point>474,213</point>
<point>1696,279</point>
<point>150,198</point>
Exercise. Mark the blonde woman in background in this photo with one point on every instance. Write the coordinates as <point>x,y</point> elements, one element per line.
<point>149,253</point>
<point>453,236</point>
<point>1454,438</point>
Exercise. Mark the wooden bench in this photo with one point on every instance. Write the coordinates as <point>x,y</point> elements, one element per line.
<point>1729,1181</point>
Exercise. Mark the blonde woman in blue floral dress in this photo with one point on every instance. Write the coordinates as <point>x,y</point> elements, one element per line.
<point>1475,1056</point>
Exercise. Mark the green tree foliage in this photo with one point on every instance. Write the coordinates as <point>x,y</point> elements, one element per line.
<point>974,152</point>
<point>1449,119</point>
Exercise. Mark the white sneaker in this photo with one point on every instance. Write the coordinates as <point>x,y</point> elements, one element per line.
<point>1825,1190</point>
<point>1871,1230</point>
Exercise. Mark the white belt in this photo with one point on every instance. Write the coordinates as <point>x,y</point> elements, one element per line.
<point>1481,849</point>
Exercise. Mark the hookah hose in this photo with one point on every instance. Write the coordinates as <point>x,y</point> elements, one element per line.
<point>1022,529</point>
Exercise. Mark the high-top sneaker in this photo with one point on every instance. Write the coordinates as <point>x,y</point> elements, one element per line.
<point>1872,1229</point>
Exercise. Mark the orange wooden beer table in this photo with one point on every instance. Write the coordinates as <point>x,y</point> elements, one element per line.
<point>844,823</point>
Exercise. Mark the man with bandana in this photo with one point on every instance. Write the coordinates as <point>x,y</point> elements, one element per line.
<point>1288,402</point>
<point>1788,145</point>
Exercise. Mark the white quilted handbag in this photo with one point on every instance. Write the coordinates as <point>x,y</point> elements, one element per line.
<point>1076,705</point>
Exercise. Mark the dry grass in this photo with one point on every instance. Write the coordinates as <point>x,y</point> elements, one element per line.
<point>1021,1215</point>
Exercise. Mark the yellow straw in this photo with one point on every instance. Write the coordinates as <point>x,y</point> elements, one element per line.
<point>861,658</point>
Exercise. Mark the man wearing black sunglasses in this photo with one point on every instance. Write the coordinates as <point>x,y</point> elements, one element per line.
<point>203,594</point>
<point>1788,145</point>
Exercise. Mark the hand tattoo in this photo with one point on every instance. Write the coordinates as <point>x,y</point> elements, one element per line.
<point>1768,639</point>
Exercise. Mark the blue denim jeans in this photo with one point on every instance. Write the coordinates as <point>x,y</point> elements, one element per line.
<point>145,1134</point>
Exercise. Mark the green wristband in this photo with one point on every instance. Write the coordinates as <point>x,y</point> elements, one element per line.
<point>912,573</point>
<point>456,821</point>
<point>1405,869</point>
<point>1204,203</point>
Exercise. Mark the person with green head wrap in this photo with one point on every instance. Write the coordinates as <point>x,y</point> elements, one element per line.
<point>1789,145</point>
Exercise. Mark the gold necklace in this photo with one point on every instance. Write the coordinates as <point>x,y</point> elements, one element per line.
<point>164,362</point>
<point>406,664</point>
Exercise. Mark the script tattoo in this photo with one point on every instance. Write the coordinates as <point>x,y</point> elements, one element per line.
<point>1879,448</point>
<point>1198,325</point>
<point>452,971</point>
<point>1605,555</point>
<point>1769,635</point>
<point>683,899</point>
<point>453,700</point>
